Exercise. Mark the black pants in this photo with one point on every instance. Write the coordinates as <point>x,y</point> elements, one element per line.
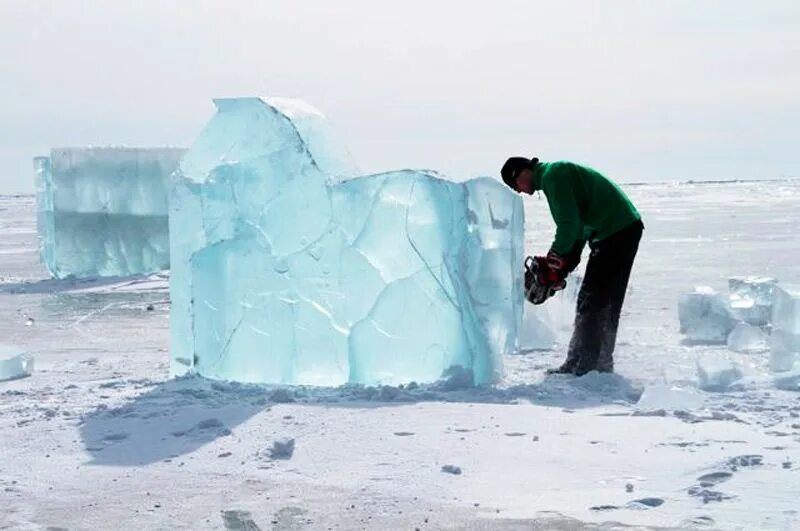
<point>600,301</point>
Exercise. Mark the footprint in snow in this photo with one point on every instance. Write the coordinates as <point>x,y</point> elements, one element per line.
<point>700,521</point>
<point>604,508</point>
<point>452,469</point>
<point>714,478</point>
<point>708,495</point>
<point>646,503</point>
<point>116,437</point>
<point>746,461</point>
<point>204,426</point>
<point>640,504</point>
<point>238,521</point>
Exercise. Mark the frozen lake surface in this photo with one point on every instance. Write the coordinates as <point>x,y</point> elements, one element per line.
<point>99,437</point>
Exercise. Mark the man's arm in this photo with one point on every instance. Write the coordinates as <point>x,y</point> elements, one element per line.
<point>574,256</point>
<point>558,188</point>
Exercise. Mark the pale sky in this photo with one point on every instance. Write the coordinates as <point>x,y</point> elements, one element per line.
<point>641,90</point>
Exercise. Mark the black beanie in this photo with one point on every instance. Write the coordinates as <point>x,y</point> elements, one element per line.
<point>513,166</point>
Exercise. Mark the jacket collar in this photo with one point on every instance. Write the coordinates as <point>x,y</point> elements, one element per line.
<point>536,176</point>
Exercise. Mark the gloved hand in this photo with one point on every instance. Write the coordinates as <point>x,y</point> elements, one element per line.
<point>551,270</point>
<point>538,287</point>
<point>561,266</point>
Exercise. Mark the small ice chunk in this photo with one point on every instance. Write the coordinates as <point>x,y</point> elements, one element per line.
<point>786,308</point>
<point>788,382</point>
<point>452,469</point>
<point>748,338</point>
<point>15,363</point>
<point>750,298</point>
<point>670,397</point>
<point>784,350</point>
<point>717,373</point>
<point>282,448</point>
<point>704,316</point>
<point>781,361</point>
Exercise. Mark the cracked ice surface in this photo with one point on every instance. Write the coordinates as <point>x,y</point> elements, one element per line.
<point>283,271</point>
<point>103,211</point>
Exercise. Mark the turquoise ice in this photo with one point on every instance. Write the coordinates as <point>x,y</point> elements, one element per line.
<point>287,268</point>
<point>103,211</point>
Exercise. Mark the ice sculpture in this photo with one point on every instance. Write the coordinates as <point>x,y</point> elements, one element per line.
<point>704,316</point>
<point>103,211</point>
<point>284,272</point>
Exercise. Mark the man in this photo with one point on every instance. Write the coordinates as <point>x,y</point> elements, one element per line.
<point>586,206</point>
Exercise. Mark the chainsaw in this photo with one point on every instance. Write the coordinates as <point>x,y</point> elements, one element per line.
<point>535,292</point>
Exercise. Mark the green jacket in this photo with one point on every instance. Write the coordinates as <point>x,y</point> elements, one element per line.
<point>585,205</point>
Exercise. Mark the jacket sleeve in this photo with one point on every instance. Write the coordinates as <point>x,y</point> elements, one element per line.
<point>559,190</point>
<point>574,255</point>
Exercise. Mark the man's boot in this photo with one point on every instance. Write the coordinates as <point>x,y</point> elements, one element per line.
<point>568,367</point>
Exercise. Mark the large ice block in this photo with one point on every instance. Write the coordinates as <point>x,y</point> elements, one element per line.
<point>494,243</point>
<point>103,211</point>
<point>704,316</point>
<point>283,272</point>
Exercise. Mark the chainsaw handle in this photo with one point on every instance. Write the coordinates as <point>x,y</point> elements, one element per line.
<point>529,263</point>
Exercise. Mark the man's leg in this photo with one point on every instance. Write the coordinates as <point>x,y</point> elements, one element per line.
<point>624,248</point>
<point>621,248</point>
<point>587,334</point>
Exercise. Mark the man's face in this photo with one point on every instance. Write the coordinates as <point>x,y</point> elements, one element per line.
<point>524,180</point>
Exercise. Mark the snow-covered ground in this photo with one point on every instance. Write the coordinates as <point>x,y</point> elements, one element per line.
<point>99,437</point>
